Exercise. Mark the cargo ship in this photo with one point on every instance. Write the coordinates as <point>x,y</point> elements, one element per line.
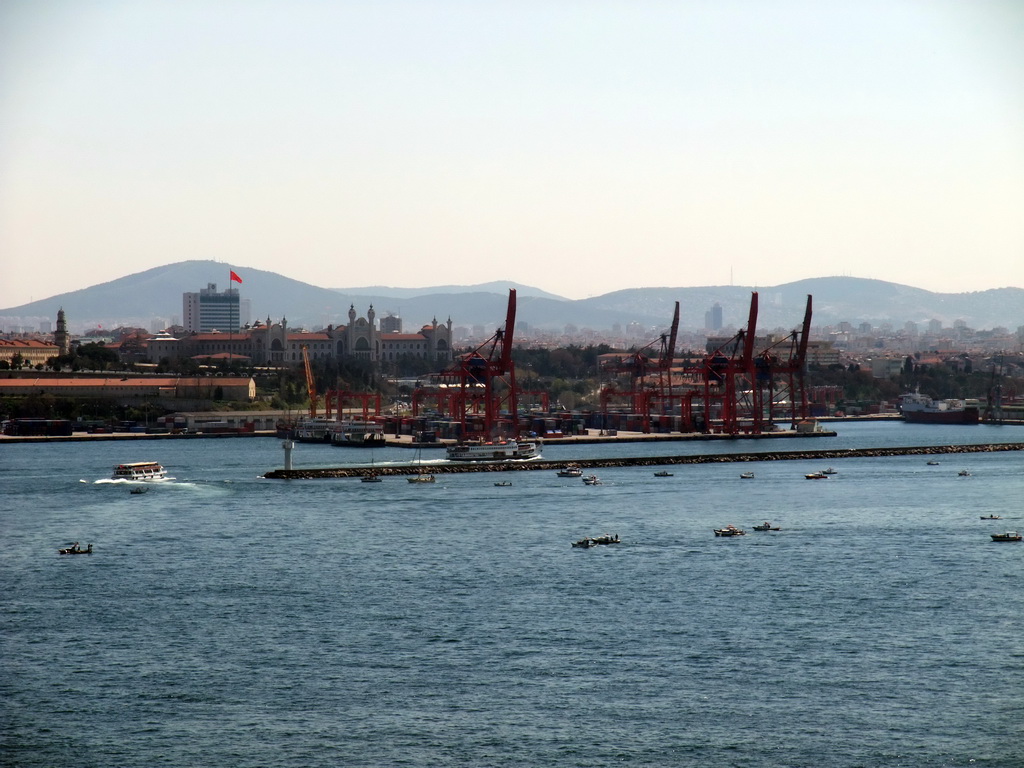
<point>921,409</point>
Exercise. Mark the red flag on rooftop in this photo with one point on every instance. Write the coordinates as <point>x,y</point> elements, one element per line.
<point>235,277</point>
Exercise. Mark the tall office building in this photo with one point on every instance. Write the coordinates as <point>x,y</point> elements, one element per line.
<point>713,318</point>
<point>210,310</point>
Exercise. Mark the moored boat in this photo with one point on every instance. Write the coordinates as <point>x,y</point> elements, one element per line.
<point>921,409</point>
<point>571,470</point>
<point>663,473</point>
<point>500,450</point>
<point>730,530</point>
<point>357,434</point>
<point>313,429</point>
<point>139,470</point>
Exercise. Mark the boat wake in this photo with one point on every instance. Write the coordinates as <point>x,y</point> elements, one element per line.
<point>123,481</point>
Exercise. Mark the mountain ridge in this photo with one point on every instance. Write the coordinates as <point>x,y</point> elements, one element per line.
<point>156,293</point>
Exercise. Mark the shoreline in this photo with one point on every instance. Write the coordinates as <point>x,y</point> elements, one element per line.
<point>406,441</point>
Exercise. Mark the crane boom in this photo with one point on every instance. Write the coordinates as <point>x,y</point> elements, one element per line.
<point>506,339</point>
<point>310,382</point>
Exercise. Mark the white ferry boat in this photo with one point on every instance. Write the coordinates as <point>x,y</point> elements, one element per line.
<point>139,470</point>
<point>315,429</point>
<point>362,434</point>
<point>502,450</point>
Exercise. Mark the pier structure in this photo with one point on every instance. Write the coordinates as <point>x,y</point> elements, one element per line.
<point>313,473</point>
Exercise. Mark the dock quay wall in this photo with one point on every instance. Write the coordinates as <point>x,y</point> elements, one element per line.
<point>645,461</point>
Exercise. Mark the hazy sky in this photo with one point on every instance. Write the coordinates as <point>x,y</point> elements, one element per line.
<point>580,147</point>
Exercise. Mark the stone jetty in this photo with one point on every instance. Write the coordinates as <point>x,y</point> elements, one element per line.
<point>644,461</point>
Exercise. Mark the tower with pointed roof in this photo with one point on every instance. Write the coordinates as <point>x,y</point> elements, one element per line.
<point>61,337</point>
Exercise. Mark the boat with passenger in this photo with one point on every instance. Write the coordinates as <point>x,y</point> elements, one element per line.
<point>595,541</point>
<point>571,470</point>
<point>746,475</point>
<point>75,549</point>
<point>1008,536</point>
<point>991,517</point>
<point>139,470</point>
<point>816,476</point>
<point>497,450</point>
<point>766,526</point>
<point>730,530</point>
<point>663,473</point>
<point>592,480</point>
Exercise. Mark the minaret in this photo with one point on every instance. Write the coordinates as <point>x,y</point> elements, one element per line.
<point>61,337</point>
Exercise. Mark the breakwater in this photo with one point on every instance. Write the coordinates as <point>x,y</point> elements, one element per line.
<point>645,461</point>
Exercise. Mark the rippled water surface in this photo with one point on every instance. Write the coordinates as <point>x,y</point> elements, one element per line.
<point>228,620</point>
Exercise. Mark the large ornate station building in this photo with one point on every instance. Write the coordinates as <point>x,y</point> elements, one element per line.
<point>273,343</point>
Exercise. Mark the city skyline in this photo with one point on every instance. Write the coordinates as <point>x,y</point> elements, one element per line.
<point>577,148</point>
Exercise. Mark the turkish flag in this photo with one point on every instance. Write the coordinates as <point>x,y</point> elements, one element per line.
<point>235,277</point>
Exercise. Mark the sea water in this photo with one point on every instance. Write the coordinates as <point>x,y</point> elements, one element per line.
<point>228,620</point>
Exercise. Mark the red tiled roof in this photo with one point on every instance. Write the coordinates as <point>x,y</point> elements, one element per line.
<point>308,337</point>
<point>27,344</point>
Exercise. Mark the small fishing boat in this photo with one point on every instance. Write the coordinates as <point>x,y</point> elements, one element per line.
<point>746,475</point>
<point>730,530</point>
<point>571,470</point>
<point>830,471</point>
<point>74,549</point>
<point>421,478</point>
<point>592,480</point>
<point>370,478</point>
<point>504,484</point>
<point>932,463</point>
<point>964,473</point>
<point>766,526</point>
<point>816,476</point>
<point>1008,536</point>
<point>663,473</point>
<point>991,517</point>
<point>595,541</point>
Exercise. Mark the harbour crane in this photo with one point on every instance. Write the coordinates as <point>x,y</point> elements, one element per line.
<point>310,382</point>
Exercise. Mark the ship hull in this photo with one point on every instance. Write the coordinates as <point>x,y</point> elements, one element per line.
<point>965,416</point>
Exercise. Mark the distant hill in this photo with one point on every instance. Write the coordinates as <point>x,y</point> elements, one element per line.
<point>137,299</point>
<point>497,286</point>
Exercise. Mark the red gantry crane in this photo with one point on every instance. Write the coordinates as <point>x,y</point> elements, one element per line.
<point>481,386</point>
<point>650,378</point>
<point>746,391</point>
